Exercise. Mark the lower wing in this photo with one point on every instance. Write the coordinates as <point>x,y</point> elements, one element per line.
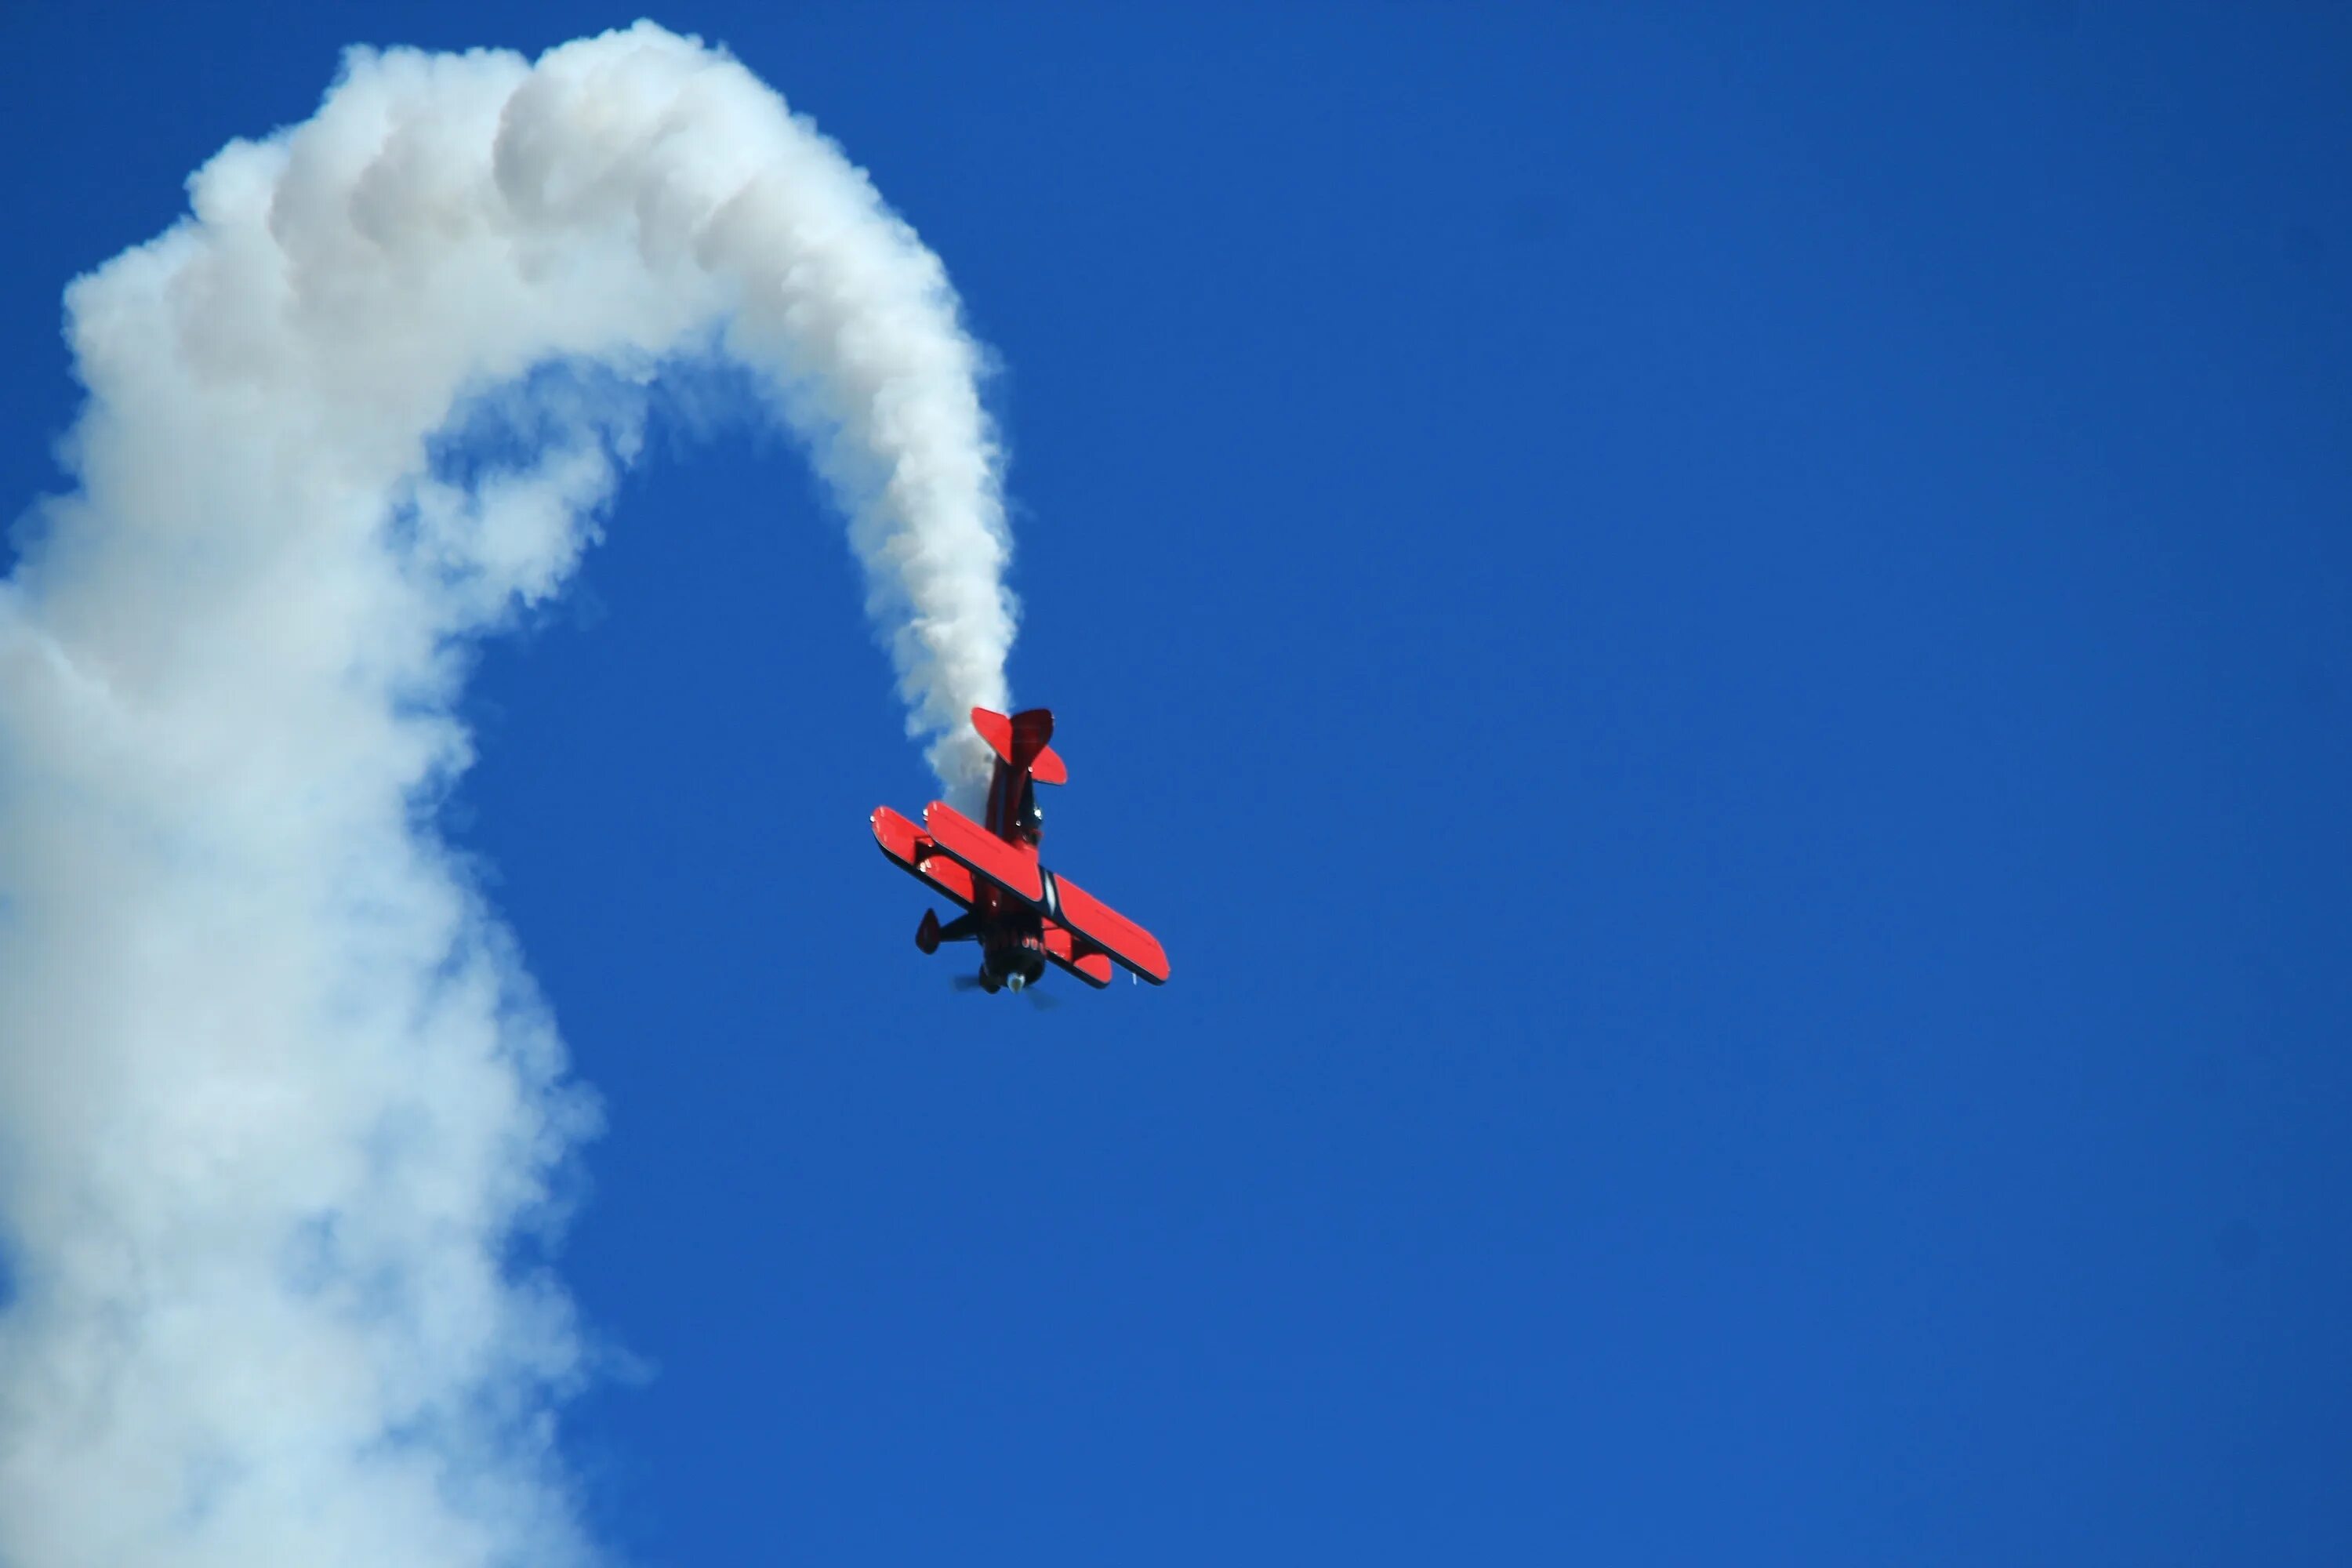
<point>915,851</point>
<point>1099,926</point>
<point>1068,953</point>
<point>1093,924</point>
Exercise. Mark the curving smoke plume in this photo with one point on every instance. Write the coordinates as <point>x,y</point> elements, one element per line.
<point>276,1096</point>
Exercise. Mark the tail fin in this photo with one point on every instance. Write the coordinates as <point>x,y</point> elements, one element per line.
<point>1020,741</point>
<point>1030,731</point>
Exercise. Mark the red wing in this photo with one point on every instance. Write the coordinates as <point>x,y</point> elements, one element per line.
<point>1101,926</point>
<point>913,848</point>
<point>1095,933</point>
<point>1086,963</point>
<point>984,852</point>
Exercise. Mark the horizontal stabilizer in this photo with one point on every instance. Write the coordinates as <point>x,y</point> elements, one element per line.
<point>1020,741</point>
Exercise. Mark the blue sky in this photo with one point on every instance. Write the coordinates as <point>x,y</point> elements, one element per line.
<point>1720,647</point>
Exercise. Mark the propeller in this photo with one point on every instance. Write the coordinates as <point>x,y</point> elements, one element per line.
<point>1043,1001</point>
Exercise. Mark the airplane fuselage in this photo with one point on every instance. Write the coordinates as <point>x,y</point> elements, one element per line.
<point>1012,934</point>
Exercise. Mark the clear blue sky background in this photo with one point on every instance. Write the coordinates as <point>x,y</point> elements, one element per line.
<point>1717,637</point>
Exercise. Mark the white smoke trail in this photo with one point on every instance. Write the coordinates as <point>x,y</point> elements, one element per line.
<point>276,1096</point>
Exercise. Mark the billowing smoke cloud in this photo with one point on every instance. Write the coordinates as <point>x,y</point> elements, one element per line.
<point>277,1098</point>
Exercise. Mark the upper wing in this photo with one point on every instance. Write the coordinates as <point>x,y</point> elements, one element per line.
<point>913,848</point>
<point>1099,925</point>
<point>984,852</point>
<point>1094,924</point>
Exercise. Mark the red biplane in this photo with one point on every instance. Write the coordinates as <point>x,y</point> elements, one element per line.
<point>1024,916</point>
